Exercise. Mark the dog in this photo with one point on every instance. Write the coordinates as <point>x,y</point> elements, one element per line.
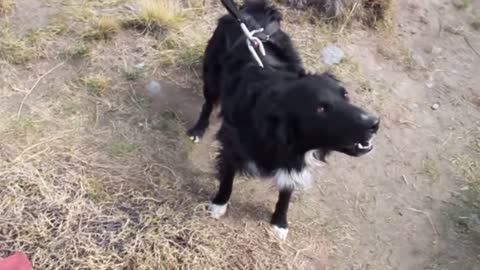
<point>274,117</point>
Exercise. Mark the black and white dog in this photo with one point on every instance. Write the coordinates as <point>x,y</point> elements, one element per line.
<point>273,117</point>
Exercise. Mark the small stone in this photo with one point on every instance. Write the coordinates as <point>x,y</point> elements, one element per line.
<point>435,106</point>
<point>139,66</point>
<point>436,50</point>
<point>474,223</point>
<point>332,55</point>
<point>153,87</point>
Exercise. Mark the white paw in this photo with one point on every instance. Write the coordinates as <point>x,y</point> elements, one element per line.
<point>280,233</point>
<point>195,139</point>
<point>217,210</point>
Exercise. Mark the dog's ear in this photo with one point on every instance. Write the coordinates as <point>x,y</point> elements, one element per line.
<point>271,122</point>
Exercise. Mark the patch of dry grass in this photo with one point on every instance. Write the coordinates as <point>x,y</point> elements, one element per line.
<point>77,51</point>
<point>395,51</point>
<point>156,15</point>
<point>96,84</point>
<point>341,13</point>
<point>21,49</point>
<point>183,48</point>
<point>6,6</point>
<point>16,50</point>
<point>63,221</point>
<point>103,28</point>
<point>470,169</point>
<point>465,211</point>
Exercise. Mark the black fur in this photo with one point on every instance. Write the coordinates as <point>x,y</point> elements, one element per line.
<point>273,116</point>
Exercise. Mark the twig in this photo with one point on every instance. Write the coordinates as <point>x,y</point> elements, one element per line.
<point>349,17</point>
<point>428,217</point>
<point>35,85</point>
<point>471,47</point>
<point>34,146</point>
<point>405,180</point>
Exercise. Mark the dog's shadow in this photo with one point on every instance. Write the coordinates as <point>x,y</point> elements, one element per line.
<point>198,184</point>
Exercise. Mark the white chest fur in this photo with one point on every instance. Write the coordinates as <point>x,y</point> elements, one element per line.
<point>292,179</point>
<point>283,178</point>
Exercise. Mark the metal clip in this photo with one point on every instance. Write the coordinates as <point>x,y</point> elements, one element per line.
<point>254,43</point>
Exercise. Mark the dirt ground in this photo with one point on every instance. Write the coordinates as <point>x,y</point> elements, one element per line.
<point>96,172</point>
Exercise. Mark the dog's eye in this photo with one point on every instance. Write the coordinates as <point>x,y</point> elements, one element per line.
<point>344,93</point>
<point>321,108</point>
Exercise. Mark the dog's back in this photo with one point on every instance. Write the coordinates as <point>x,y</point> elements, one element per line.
<point>227,48</point>
<point>227,55</point>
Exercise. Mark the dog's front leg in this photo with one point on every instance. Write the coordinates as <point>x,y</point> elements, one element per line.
<point>226,174</point>
<point>279,219</point>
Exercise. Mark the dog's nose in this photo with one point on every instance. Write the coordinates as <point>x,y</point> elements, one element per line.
<point>371,122</point>
<point>375,125</point>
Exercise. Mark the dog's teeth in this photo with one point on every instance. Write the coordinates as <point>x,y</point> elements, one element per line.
<point>361,146</point>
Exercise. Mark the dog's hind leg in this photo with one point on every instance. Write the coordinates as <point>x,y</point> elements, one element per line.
<point>211,95</point>
<point>197,131</point>
<point>226,174</point>
<point>279,219</point>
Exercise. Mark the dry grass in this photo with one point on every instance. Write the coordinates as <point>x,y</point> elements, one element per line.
<point>16,51</point>
<point>470,169</point>
<point>96,84</point>
<point>183,48</point>
<point>77,197</point>
<point>22,48</point>
<point>468,199</point>
<point>341,13</point>
<point>6,6</point>
<point>77,51</point>
<point>157,15</point>
<point>103,28</point>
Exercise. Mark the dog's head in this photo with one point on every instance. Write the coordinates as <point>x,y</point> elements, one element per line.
<point>314,112</point>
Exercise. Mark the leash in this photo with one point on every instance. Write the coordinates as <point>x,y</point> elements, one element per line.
<point>253,42</point>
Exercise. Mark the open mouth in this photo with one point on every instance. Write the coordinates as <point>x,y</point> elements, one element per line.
<point>359,148</point>
<point>364,145</point>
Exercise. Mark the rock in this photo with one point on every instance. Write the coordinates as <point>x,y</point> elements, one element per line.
<point>435,106</point>
<point>433,50</point>
<point>436,50</point>
<point>332,55</point>
<point>153,88</point>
